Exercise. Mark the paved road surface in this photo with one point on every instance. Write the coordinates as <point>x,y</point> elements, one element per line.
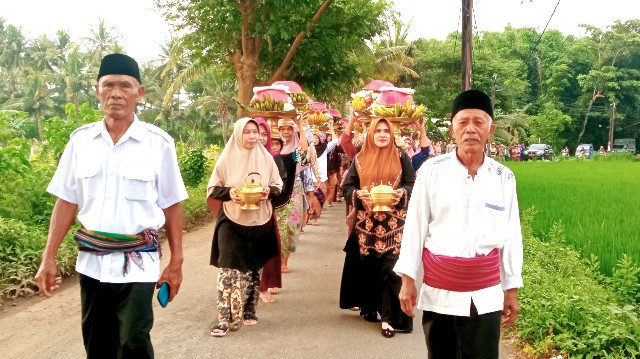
<point>304,322</point>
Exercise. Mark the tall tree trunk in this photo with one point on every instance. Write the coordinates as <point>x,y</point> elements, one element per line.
<point>245,61</point>
<point>596,93</point>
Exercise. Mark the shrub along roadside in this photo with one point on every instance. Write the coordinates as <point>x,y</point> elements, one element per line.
<point>569,307</point>
<point>20,255</point>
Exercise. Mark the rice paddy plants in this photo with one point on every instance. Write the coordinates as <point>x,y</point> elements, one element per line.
<point>595,202</point>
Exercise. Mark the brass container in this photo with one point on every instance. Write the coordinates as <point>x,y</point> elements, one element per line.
<point>382,198</point>
<point>250,193</point>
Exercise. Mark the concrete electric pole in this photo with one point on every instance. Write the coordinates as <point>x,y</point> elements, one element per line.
<point>467,44</point>
<point>611,122</point>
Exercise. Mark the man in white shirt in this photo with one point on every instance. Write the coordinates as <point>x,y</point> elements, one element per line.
<point>121,177</point>
<point>463,227</point>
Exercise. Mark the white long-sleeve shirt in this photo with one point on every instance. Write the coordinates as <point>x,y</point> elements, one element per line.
<point>452,214</point>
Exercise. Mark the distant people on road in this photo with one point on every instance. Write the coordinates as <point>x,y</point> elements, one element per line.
<point>374,238</point>
<point>463,226</point>
<point>565,151</point>
<point>582,152</point>
<point>120,176</point>
<point>243,239</point>
<point>602,150</point>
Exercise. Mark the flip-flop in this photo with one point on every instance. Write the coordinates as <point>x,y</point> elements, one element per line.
<point>250,319</point>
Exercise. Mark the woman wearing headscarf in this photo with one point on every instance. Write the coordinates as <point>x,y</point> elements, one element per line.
<point>243,240</point>
<point>373,245</point>
<point>290,223</point>
<point>322,148</point>
<point>271,278</point>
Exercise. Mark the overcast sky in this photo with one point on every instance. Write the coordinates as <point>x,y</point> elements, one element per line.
<point>141,29</point>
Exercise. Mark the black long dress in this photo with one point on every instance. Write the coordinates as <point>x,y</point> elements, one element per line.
<point>368,280</point>
<point>245,248</point>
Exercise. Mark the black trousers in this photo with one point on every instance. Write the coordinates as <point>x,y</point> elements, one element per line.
<point>449,336</point>
<point>381,287</point>
<point>116,319</point>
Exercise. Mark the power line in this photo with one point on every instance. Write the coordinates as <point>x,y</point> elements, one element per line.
<point>535,47</point>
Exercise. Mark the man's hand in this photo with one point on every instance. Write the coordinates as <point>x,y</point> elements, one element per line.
<point>172,274</point>
<point>47,277</point>
<point>408,295</point>
<point>511,307</point>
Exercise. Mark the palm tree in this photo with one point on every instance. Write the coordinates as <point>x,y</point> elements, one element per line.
<point>392,55</point>
<point>101,42</point>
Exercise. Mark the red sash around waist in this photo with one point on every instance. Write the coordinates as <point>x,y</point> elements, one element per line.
<point>461,274</point>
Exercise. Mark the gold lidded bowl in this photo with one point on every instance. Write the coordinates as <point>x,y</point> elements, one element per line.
<point>251,192</point>
<point>381,197</point>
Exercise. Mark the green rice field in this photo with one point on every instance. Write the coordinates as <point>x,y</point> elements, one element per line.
<point>596,202</point>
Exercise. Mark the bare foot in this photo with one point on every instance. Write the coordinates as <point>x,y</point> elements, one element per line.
<point>285,270</point>
<point>267,297</point>
<point>274,290</point>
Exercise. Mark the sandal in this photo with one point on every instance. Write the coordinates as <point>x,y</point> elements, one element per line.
<point>250,319</point>
<point>219,330</point>
<point>388,332</point>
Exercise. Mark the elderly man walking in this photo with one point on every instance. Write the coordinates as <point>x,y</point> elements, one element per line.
<point>463,227</point>
<point>120,176</point>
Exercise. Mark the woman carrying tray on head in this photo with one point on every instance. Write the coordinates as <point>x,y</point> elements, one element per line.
<point>303,185</point>
<point>271,275</point>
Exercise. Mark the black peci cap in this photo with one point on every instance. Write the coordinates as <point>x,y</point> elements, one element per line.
<point>472,99</point>
<point>119,64</point>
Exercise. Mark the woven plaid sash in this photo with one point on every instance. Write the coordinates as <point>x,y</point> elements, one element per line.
<point>461,274</point>
<point>129,244</point>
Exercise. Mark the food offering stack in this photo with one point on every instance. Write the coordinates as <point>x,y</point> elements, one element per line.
<point>272,103</point>
<point>299,99</point>
<point>318,116</point>
<point>395,104</point>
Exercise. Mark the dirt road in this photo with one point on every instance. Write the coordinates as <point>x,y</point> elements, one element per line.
<point>304,322</point>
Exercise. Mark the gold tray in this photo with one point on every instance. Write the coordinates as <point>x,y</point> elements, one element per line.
<point>397,120</point>
<point>271,114</point>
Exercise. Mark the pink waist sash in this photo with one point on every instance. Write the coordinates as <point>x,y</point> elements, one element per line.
<point>461,274</point>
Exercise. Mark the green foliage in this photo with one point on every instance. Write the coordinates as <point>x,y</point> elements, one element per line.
<point>20,250</point>
<point>56,131</point>
<point>565,305</point>
<point>547,127</point>
<point>192,164</point>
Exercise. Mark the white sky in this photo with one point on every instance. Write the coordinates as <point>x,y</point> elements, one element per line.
<point>141,29</point>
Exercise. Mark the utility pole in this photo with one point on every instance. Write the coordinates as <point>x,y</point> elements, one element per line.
<point>467,44</point>
<point>494,80</point>
<point>611,122</point>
